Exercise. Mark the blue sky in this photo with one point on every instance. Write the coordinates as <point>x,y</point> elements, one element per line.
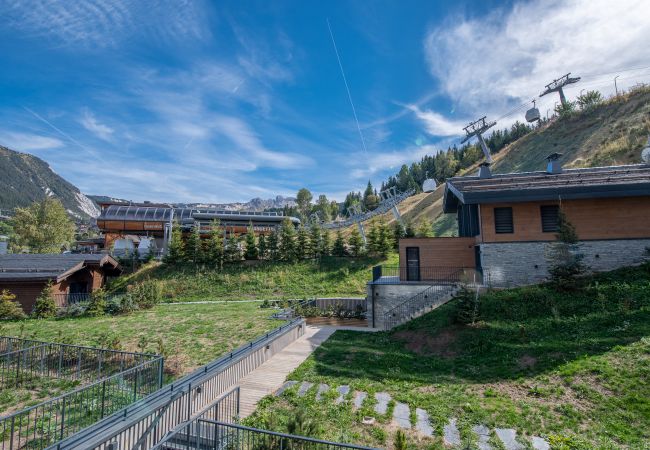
<point>225,101</point>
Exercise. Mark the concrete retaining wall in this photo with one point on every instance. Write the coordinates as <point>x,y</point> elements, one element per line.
<point>384,297</point>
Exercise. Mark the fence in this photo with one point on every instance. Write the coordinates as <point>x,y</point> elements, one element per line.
<point>428,299</point>
<point>70,299</point>
<point>26,359</point>
<point>42,425</point>
<point>426,275</point>
<point>340,307</point>
<point>203,434</point>
<point>149,420</point>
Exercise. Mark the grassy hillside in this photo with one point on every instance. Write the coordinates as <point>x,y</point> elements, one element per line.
<point>25,178</point>
<point>331,277</point>
<point>573,367</point>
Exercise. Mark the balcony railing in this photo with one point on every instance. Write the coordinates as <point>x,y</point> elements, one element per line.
<point>426,275</point>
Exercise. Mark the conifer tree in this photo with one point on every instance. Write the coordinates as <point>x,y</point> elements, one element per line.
<point>399,232</point>
<point>45,306</point>
<point>193,246</point>
<point>287,241</point>
<point>339,244</point>
<point>233,252</point>
<point>175,251</point>
<point>316,238</point>
<point>384,239</point>
<point>355,243</point>
<point>215,244</point>
<point>9,308</point>
<point>303,244</point>
<point>262,248</point>
<point>409,232</point>
<point>251,244</point>
<point>325,244</point>
<point>424,229</point>
<point>273,246</point>
<point>565,262</point>
<point>373,238</point>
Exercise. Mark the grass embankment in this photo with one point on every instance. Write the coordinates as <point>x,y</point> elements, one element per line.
<point>31,393</point>
<point>331,277</point>
<point>188,335</point>
<point>573,367</point>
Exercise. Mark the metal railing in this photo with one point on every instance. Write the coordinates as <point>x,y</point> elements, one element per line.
<point>81,298</point>
<point>343,307</point>
<point>425,275</point>
<point>427,299</point>
<point>150,419</point>
<point>28,358</point>
<point>46,423</point>
<point>203,434</point>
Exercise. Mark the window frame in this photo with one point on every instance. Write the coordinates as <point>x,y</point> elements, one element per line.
<point>512,219</point>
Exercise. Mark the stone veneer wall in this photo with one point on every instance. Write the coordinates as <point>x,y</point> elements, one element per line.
<point>386,297</point>
<point>518,263</point>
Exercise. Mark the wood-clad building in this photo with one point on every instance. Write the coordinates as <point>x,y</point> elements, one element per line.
<point>71,275</point>
<point>506,221</point>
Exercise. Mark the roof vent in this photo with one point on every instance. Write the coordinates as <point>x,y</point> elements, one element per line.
<point>484,170</point>
<point>554,167</point>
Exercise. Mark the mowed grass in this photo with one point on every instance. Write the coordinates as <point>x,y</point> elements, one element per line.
<point>191,334</point>
<point>329,277</point>
<point>573,367</point>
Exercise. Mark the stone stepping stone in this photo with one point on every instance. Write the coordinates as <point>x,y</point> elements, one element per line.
<point>322,388</point>
<point>284,387</point>
<point>423,424</point>
<point>359,397</point>
<point>540,443</point>
<point>450,434</point>
<point>508,437</point>
<point>402,415</point>
<point>382,402</point>
<point>483,437</point>
<point>343,392</point>
<point>304,387</point>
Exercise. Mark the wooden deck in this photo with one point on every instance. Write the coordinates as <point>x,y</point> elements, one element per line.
<point>270,376</point>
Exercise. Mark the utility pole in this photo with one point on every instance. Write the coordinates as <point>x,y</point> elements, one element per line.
<point>477,128</point>
<point>558,84</point>
<point>615,85</point>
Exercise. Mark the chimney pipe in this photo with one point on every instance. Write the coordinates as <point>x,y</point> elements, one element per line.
<point>554,167</point>
<point>484,170</point>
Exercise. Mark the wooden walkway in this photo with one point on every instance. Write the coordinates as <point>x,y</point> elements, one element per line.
<point>270,376</point>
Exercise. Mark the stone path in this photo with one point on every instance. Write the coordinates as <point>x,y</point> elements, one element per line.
<point>402,419</point>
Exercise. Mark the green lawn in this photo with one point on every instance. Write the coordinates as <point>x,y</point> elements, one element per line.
<point>191,334</point>
<point>573,367</point>
<point>331,277</point>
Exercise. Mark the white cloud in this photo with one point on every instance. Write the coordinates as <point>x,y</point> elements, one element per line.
<point>392,160</point>
<point>437,124</point>
<point>91,124</point>
<point>490,63</point>
<point>28,142</point>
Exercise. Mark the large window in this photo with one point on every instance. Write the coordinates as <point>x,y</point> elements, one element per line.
<point>550,216</point>
<point>503,221</point>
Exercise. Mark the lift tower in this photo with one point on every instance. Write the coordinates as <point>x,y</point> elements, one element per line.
<point>557,85</point>
<point>477,128</point>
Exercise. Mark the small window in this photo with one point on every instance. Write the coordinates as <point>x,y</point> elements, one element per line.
<point>503,220</point>
<point>550,216</point>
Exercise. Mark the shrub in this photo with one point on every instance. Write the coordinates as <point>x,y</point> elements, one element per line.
<point>121,305</point>
<point>468,307</point>
<point>146,294</point>
<point>76,310</point>
<point>566,262</point>
<point>564,110</point>
<point>400,440</point>
<point>45,306</point>
<point>97,305</point>
<point>9,309</point>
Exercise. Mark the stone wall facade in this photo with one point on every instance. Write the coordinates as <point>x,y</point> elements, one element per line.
<point>520,263</point>
<point>384,297</point>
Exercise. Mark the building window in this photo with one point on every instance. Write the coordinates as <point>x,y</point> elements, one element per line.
<point>550,218</point>
<point>503,221</point>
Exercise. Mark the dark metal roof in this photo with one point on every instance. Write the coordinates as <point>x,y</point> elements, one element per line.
<point>49,266</point>
<point>597,182</point>
<point>164,214</point>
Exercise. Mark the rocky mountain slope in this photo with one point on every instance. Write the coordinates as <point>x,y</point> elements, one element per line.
<point>24,178</point>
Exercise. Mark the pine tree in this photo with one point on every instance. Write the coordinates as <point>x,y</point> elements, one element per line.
<point>273,246</point>
<point>233,252</point>
<point>215,244</point>
<point>287,241</point>
<point>373,238</point>
<point>303,244</point>
<point>45,306</point>
<point>193,246</point>
<point>9,308</point>
<point>339,244</point>
<point>97,305</point>
<point>384,239</point>
<point>251,245</point>
<point>565,262</point>
<point>315,238</point>
<point>326,244</point>
<point>262,248</point>
<point>409,232</point>
<point>355,243</point>
<point>424,229</point>
<point>399,232</point>
<point>175,251</point>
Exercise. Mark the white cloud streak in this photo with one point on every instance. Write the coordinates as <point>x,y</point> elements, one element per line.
<point>28,142</point>
<point>91,124</point>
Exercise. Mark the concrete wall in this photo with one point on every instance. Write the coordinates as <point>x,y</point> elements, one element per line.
<point>519,263</point>
<point>384,297</point>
